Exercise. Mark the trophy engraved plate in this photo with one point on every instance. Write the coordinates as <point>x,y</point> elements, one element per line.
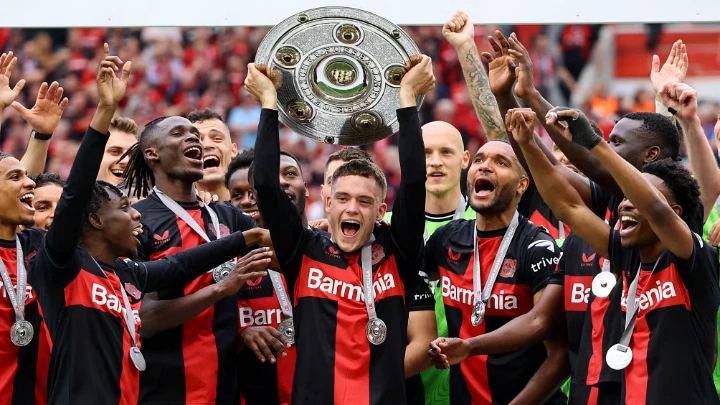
<point>341,72</point>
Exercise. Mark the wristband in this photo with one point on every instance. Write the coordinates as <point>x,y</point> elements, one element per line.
<point>582,132</point>
<point>41,137</point>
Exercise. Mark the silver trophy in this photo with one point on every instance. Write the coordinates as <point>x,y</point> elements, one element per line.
<point>341,71</point>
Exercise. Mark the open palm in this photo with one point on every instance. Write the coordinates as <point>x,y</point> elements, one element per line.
<point>8,94</point>
<point>45,115</point>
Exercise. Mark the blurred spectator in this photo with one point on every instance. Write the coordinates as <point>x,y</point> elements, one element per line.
<point>176,70</point>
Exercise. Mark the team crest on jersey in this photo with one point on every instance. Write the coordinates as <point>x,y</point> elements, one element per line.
<point>224,231</point>
<point>133,291</point>
<point>332,251</point>
<point>508,268</point>
<point>453,257</point>
<point>378,253</point>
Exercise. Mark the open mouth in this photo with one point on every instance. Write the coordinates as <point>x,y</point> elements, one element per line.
<point>436,175</point>
<point>483,187</point>
<point>137,230</point>
<point>349,228</point>
<point>627,224</point>
<point>290,194</point>
<point>26,200</point>
<point>193,153</point>
<point>211,161</point>
<point>117,173</point>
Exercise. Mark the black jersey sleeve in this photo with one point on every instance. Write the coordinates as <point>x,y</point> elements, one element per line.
<point>64,234</point>
<point>558,276</point>
<point>540,260</point>
<point>179,269</point>
<point>602,201</point>
<point>279,213</point>
<point>408,222</point>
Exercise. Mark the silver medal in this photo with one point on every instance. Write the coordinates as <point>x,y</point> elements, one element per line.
<point>376,331</point>
<point>478,313</point>
<point>602,284</point>
<point>137,358</point>
<point>619,356</point>
<point>222,271</point>
<point>287,330</point>
<point>21,333</point>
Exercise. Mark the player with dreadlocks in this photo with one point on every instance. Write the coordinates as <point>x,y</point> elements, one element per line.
<point>83,283</point>
<point>197,323</point>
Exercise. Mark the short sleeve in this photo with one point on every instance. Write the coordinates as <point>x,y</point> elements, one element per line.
<point>601,200</point>
<point>541,260</point>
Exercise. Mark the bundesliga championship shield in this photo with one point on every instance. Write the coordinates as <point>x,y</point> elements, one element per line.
<point>341,71</point>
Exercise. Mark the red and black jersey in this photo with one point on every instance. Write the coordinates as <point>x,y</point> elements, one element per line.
<point>81,299</point>
<point>193,363</point>
<point>591,331</point>
<point>675,333</point>
<point>533,207</point>
<point>529,261</point>
<point>263,383</point>
<point>335,361</point>
<point>23,374</point>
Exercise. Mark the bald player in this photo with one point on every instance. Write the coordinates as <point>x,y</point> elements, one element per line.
<point>445,159</point>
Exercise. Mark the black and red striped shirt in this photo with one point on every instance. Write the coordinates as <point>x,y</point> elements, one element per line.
<point>335,361</point>
<point>198,356</point>
<point>674,338</point>
<point>530,259</point>
<point>263,383</point>
<point>23,375</point>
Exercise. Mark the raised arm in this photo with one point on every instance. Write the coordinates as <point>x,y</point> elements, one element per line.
<point>683,99</point>
<point>64,233</point>
<point>579,156</point>
<point>408,220</point>
<point>459,31</point>
<point>43,117</point>
<point>562,198</point>
<point>278,212</point>
<point>183,267</point>
<point>652,205</point>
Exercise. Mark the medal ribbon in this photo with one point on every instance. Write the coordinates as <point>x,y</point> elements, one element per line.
<point>180,212</point>
<point>366,261</point>
<point>17,300</point>
<point>504,245</point>
<point>282,295</point>
<point>632,309</point>
<point>128,315</point>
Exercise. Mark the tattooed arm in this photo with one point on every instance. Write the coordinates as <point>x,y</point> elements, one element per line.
<point>459,31</point>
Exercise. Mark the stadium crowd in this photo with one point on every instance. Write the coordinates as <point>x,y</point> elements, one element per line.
<point>164,240</point>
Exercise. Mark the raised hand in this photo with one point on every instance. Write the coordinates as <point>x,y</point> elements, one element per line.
<point>261,86</point>
<point>7,94</point>
<point>521,122</point>
<point>111,89</point>
<point>674,69</point>
<point>501,67</point>
<point>445,352</point>
<point>45,115</point>
<point>246,269</point>
<point>262,339</point>
<point>419,79</point>
<point>524,68</point>
<point>578,127</point>
<point>681,98</point>
<point>459,30</point>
